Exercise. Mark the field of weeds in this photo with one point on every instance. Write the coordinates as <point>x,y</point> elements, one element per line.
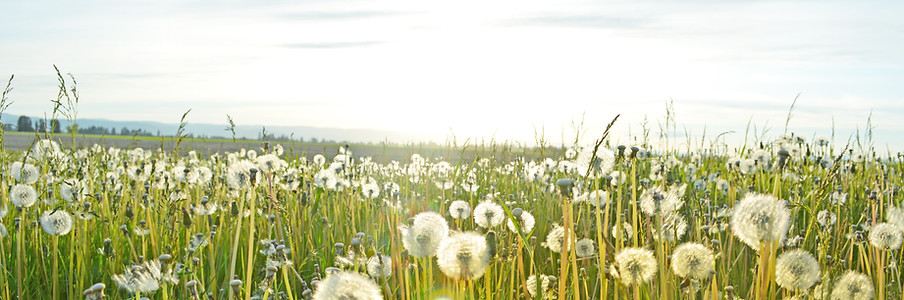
<point>789,218</point>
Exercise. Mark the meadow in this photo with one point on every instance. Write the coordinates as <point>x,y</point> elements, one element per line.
<point>783,218</point>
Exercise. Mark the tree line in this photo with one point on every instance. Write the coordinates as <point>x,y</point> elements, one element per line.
<point>25,124</point>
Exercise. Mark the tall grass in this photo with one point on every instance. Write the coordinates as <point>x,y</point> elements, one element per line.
<point>134,205</point>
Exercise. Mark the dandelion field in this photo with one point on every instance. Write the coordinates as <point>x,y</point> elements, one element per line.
<point>787,218</point>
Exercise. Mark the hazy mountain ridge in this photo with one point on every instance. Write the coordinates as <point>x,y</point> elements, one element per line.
<point>246,131</point>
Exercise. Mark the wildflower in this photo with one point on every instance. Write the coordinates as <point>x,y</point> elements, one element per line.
<point>826,218</point>
<point>45,149</point>
<point>748,166</point>
<point>379,266</point>
<point>635,266</point>
<point>796,270</point>
<point>723,186</point>
<point>206,207</point>
<point>459,209</point>
<point>546,286</point>
<point>326,179</point>
<point>425,234</point>
<point>56,222</point>
<point>463,256</point>
<point>23,195</point>
<point>760,218</point>
<point>270,163</point>
<point>239,175</point>
<point>838,198</point>
<point>618,178</point>
<point>656,201</point>
<point>693,260</point>
<point>319,160</point>
<point>853,285</point>
<point>598,198</point>
<point>488,214</point>
<point>599,165</point>
<point>894,215</point>
<point>525,221</point>
<point>24,173</point>
<point>72,190</point>
<point>370,190</point>
<point>885,236</point>
<point>673,228</point>
<point>347,285</point>
<point>145,277</point>
<point>584,248</point>
<point>556,238</point>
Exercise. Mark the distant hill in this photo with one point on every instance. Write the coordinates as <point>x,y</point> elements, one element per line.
<point>249,131</point>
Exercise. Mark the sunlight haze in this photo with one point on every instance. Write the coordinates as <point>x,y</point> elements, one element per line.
<point>472,68</point>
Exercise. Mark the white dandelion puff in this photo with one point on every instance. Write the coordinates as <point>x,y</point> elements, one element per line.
<point>584,248</point>
<point>796,270</point>
<point>693,260</point>
<point>635,266</point>
<point>546,286</point>
<point>886,236</point>
<point>525,220</point>
<point>56,222</point>
<point>853,285</point>
<point>488,214</point>
<point>460,209</point>
<point>556,238</point>
<point>463,256</point>
<point>425,234</point>
<point>22,195</point>
<point>24,173</point>
<point>347,285</point>
<point>760,218</point>
<point>379,266</point>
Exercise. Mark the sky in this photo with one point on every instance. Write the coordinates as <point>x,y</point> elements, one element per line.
<point>478,69</point>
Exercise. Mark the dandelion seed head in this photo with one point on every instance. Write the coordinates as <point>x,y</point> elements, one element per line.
<point>72,190</point>
<point>547,289</point>
<point>238,176</point>
<point>598,198</point>
<point>584,248</point>
<point>635,266</point>
<point>270,163</point>
<point>886,236</point>
<point>526,221</point>
<point>56,222</point>
<point>347,285</point>
<point>556,238</point>
<point>838,198</point>
<point>144,277</point>
<point>22,195</point>
<point>655,201</point>
<point>423,237</point>
<point>853,285</point>
<point>488,214</point>
<point>599,165</point>
<point>693,260</point>
<point>463,256</point>
<point>460,209</point>
<point>796,270</point>
<point>379,266</point>
<point>826,218</point>
<point>24,173</point>
<point>895,215</point>
<point>760,218</point>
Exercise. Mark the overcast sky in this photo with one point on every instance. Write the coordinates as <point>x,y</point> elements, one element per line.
<point>474,68</point>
